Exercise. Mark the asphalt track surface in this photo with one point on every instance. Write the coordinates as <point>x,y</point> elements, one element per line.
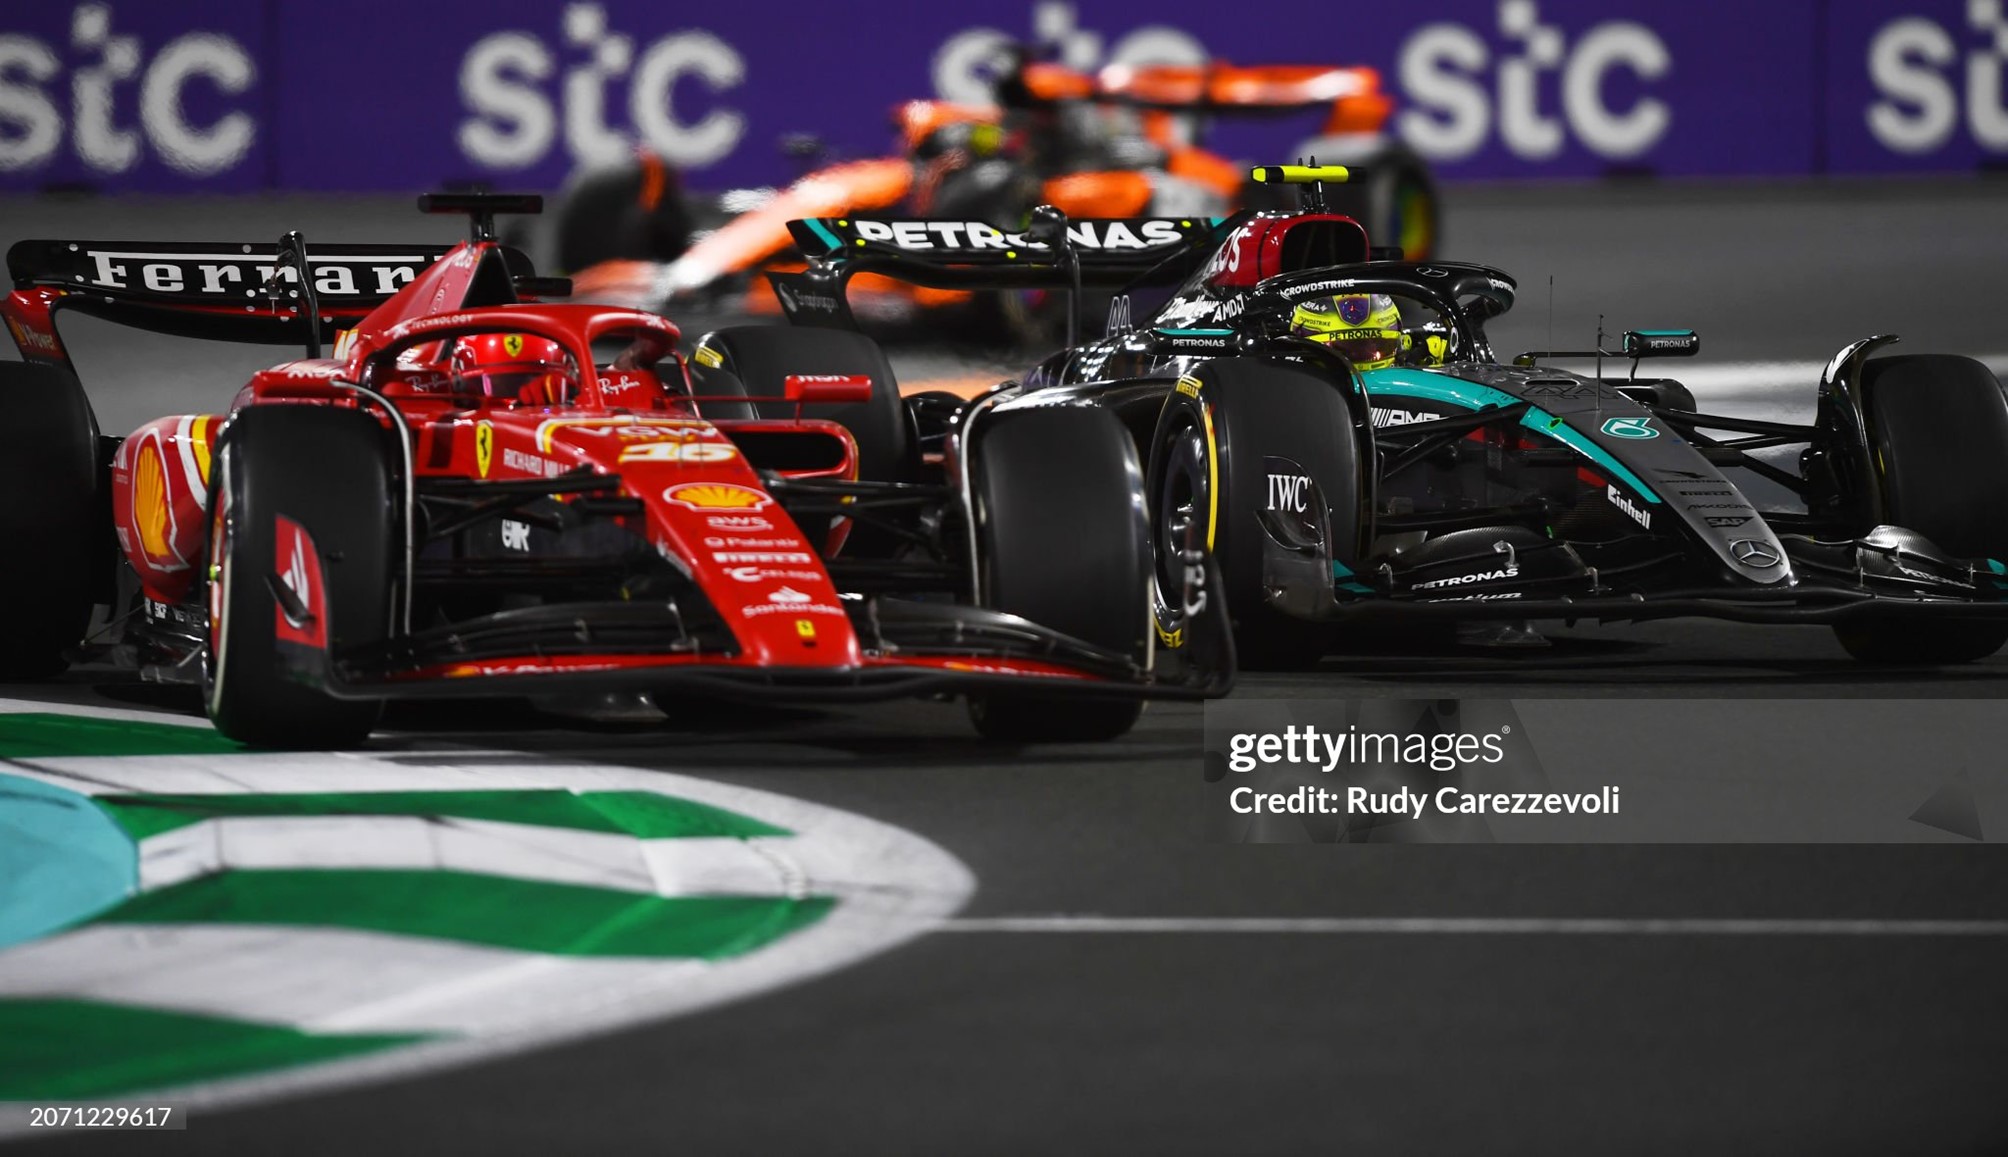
<point>1216,1039</point>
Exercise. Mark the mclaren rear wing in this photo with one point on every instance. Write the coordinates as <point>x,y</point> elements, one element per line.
<point>1053,253</point>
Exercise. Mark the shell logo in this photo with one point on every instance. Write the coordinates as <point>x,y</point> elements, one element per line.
<point>715,496</point>
<point>149,502</point>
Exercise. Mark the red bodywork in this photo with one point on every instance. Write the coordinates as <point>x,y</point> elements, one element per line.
<point>698,500</point>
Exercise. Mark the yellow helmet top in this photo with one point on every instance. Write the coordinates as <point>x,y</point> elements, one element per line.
<point>1364,327</point>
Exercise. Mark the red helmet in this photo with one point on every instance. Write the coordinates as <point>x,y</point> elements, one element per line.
<point>518,367</point>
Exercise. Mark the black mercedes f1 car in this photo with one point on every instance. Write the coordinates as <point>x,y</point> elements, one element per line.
<point>1331,425</point>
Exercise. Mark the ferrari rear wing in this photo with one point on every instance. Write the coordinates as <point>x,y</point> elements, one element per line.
<point>224,292</point>
<point>218,291</point>
<point>1053,253</point>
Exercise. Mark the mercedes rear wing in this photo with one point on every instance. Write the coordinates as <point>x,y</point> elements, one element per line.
<point>1052,253</point>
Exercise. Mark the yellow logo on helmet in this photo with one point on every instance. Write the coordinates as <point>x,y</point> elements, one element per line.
<point>1366,328</point>
<point>512,344</point>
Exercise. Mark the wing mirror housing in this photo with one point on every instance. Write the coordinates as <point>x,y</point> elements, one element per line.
<point>826,388</point>
<point>1661,343</point>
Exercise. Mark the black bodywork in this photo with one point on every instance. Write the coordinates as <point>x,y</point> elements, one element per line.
<point>1484,488</point>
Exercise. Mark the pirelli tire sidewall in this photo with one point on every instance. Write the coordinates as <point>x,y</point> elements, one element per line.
<point>1063,542</point>
<point>330,471</point>
<point>1938,431</point>
<point>1248,412</point>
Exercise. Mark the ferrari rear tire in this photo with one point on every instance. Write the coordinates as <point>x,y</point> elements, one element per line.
<point>1938,425</point>
<point>54,516</point>
<point>764,356</point>
<point>1061,542</point>
<point>327,472</point>
<point>1209,481</point>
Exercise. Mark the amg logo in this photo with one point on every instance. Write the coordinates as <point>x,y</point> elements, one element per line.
<point>1291,492</point>
<point>1642,517</point>
<point>1401,417</point>
<point>1463,579</point>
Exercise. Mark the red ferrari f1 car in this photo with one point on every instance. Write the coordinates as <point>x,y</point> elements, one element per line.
<point>482,493</point>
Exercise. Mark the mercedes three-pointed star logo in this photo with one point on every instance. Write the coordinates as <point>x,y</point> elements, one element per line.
<point>1753,552</point>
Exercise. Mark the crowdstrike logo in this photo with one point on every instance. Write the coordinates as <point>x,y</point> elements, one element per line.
<point>1914,63</point>
<point>1450,106</point>
<point>101,126</point>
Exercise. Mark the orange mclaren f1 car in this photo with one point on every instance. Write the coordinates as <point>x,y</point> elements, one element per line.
<point>1116,144</point>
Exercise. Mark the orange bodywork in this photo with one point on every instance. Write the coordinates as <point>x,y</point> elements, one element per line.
<point>751,240</point>
<point>918,120</point>
<point>1117,193</point>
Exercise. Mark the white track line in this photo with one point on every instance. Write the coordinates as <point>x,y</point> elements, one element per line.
<point>1471,926</point>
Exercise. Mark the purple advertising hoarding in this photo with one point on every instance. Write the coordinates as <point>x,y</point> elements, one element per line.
<point>1916,85</point>
<point>136,96</point>
<point>374,95</point>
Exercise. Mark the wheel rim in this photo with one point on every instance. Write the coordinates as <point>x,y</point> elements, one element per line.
<point>219,589</point>
<point>1182,496</point>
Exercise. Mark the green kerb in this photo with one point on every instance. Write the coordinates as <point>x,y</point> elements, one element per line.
<point>526,915</point>
<point>643,814</point>
<point>78,1048</point>
<point>34,735</point>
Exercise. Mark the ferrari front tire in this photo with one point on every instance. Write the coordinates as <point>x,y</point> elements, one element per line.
<point>282,470</point>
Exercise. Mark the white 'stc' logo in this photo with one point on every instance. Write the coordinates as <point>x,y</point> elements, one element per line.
<point>31,121</point>
<point>513,126</point>
<point>1914,64</point>
<point>1449,115</point>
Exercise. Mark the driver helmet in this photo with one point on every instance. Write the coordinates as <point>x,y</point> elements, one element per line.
<point>1366,327</point>
<point>516,367</point>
